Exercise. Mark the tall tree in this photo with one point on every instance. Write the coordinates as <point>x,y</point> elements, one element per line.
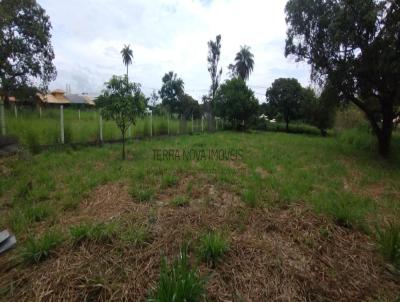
<point>121,102</point>
<point>244,63</point>
<point>127,57</point>
<point>172,91</point>
<point>214,54</point>
<point>285,95</point>
<point>236,103</point>
<point>355,46</point>
<point>26,53</point>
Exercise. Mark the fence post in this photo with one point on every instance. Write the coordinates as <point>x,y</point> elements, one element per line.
<point>192,123</point>
<point>168,122</point>
<point>151,123</point>
<point>101,127</point>
<point>179,125</point>
<point>216,124</point>
<point>62,123</point>
<point>3,119</point>
<point>130,131</point>
<point>202,123</point>
<point>79,114</point>
<point>40,111</point>
<point>15,110</point>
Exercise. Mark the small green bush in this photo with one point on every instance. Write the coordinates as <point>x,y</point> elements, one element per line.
<point>389,243</point>
<point>38,249</point>
<point>179,282</point>
<point>212,247</point>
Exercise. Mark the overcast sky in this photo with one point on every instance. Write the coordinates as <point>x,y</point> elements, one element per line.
<point>87,37</point>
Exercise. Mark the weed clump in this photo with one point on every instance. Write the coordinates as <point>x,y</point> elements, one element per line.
<point>38,249</point>
<point>389,243</point>
<point>179,282</point>
<point>212,247</point>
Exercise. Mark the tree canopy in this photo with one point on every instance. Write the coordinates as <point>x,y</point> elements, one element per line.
<point>127,57</point>
<point>122,102</point>
<point>244,63</point>
<point>286,96</point>
<point>214,54</point>
<point>236,103</point>
<point>355,47</point>
<point>172,91</point>
<point>26,56</point>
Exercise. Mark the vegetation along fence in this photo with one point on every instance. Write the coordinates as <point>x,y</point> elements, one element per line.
<point>60,125</point>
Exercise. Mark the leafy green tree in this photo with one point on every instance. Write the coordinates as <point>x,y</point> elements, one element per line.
<point>190,107</point>
<point>236,103</point>
<point>122,102</point>
<point>319,111</point>
<point>127,57</point>
<point>285,96</point>
<point>355,46</point>
<point>172,90</point>
<point>244,63</point>
<point>26,54</point>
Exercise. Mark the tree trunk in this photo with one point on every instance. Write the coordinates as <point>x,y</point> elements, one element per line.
<point>123,145</point>
<point>385,135</point>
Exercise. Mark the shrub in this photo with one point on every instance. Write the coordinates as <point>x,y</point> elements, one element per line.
<point>179,282</point>
<point>212,246</point>
<point>389,243</point>
<point>38,249</point>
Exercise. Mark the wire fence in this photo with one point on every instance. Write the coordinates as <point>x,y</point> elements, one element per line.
<point>60,125</point>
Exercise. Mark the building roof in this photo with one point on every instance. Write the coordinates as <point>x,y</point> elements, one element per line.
<point>53,98</point>
<point>80,99</point>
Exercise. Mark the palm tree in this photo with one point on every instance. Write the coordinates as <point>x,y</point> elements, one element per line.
<point>244,63</point>
<point>127,56</point>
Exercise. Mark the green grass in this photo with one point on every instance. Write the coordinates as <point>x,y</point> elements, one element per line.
<point>169,180</point>
<point>38,249</point>
<point>96,232</point>
<point>353,186</point>
<point>137,235</point>
<point>142,193</point>
<point>180,201</point>
<point>388,240</point>
<point>346,209</point>
<point>249,197</point>
<point>212,247</point>
<point>34,131</point>
<point>178,282</point>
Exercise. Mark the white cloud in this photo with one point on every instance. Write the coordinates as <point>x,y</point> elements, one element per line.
<point>166,35</point>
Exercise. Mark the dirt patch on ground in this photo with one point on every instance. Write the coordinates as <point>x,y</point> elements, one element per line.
<point>104,203</point>
<point>285,254</point>
<point>262,172</point>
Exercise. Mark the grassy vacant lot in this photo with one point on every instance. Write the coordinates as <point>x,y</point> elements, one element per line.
<point>294,218</point>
